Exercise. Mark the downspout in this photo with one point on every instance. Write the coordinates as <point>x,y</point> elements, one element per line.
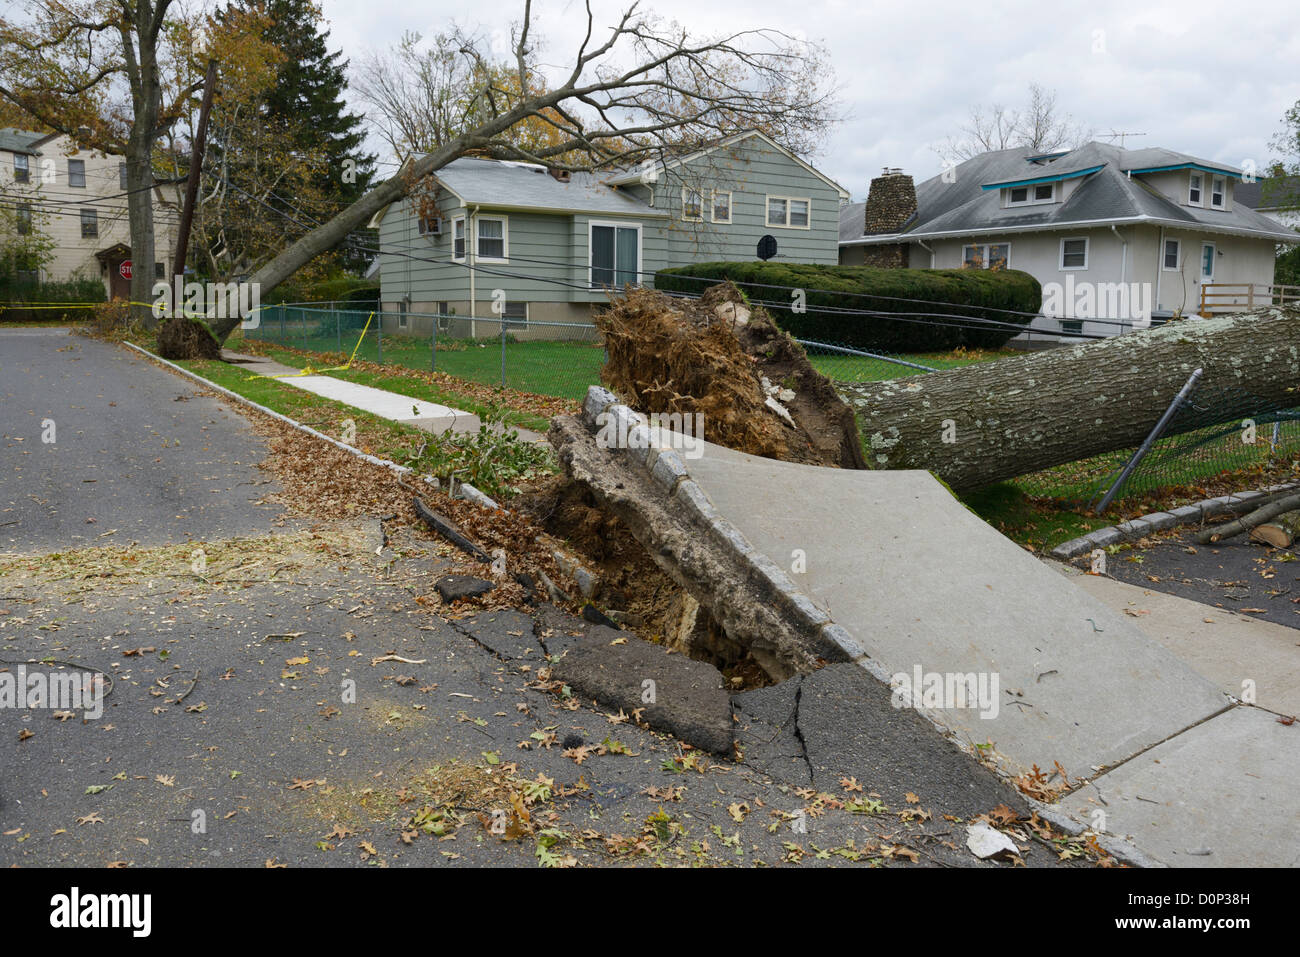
<point>471,247</point>
<point>1160,264</point>
<point>1123,268</point>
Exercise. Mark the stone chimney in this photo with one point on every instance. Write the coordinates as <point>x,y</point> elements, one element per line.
<point>891,202</point>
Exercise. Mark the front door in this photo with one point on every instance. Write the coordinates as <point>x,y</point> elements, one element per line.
<point>119,287</point>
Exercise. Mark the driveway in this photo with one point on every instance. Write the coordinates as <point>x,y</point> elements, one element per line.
<point>99,446</point>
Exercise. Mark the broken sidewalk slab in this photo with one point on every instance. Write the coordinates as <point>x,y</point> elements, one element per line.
<point>672,693</point>
<point>921,583</point>
<point>1221,794</point>
<point>1244,655</point>
<point>849,727</point>
<point>508,634</point>
<point>455,587</point>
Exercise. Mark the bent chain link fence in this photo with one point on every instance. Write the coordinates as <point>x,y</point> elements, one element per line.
<point>1218,431</point>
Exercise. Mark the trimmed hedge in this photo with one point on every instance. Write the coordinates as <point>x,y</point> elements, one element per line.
<point>14,295</point>
<point>976,295</point>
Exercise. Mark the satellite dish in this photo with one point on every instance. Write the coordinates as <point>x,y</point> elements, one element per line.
<point>767,248</point>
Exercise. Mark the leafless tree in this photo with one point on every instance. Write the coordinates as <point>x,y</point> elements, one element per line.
<point>1039,125</point>
<point>632,91</point>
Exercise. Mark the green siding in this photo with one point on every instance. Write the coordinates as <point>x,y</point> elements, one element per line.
<point>548,252</point>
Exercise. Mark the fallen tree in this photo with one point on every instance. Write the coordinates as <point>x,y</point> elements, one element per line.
<point>1274,523</point>
<point>990,421</point>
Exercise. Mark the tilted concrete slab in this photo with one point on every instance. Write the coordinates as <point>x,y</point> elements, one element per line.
<point>387,405</point>
<point>1243,655</point>
<point>429,416</point>
<point>921,582</point>
<point>1226,787</point>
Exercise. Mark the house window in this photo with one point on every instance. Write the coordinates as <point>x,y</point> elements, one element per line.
<point>788,211</point>
<point>1173,252</point>
<point>27,276</point>
<point>22,171</point>
<point>692,205</point>
<point>491,238</point>
<point>77,173</point>
<point>721,206</point>
<point>429,224</point>
<point>159,271</point>
<point>89,224</point>
<point>515,315</point>
<point>1207,260</point>
<point>990,256</point>
<point>1074,253</point>
<point>458,239</point>
<point>1072,326</point>
<point>1194,190</point>
<point>1218,188</point>
<point>402,320</point>
<point>121,176</point>
<point>1031,195</point>
<point>24,223</point>
<point>614,252</point>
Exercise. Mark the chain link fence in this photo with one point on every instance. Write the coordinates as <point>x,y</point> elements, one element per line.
<point>1216,432</point>
<point>559,359</point>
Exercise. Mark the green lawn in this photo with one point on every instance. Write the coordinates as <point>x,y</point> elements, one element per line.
<point>420,389</point>
<point>493,463</point>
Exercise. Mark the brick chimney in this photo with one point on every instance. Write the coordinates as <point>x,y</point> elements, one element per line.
<point>891,202</point>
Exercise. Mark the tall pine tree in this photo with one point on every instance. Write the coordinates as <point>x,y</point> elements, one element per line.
<point>308,104</point>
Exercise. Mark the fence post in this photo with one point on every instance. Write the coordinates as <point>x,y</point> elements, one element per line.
<point>282,311</point>
<point>502,319</point>
<point>433,344</point>
<point>1149,441</point>
<point>379,336</point>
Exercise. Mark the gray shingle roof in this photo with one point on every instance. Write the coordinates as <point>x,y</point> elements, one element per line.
<point>852,220</point>
<point>19,141</point>
<point>498,184</point>
<point>965,207</point>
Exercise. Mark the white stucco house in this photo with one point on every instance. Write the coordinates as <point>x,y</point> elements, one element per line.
<point>78,198</point>
<point>1118,238</point>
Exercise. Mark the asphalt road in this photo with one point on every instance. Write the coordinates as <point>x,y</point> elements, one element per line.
<point>98,446</point>
<point>1237,575</point>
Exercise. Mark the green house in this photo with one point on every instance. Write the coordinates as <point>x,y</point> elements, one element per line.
<point>494,238</point>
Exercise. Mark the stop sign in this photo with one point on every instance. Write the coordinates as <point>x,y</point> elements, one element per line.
<point>124,269</point>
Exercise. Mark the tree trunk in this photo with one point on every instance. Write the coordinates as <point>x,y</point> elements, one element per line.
<point>991,421</point>
<point>1280,533</point>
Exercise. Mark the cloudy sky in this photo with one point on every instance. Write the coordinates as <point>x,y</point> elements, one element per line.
<point>1199,76</point>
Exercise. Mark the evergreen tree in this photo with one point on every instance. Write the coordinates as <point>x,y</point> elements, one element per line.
<point>308,104</point>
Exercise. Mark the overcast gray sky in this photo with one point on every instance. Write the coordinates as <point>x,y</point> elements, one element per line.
<point>1199,76</point>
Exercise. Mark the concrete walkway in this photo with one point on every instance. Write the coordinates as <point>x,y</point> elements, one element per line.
<point>429,416</point>
<point>1134,698</point>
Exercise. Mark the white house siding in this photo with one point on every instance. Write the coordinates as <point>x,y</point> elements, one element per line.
<point>58,206</point>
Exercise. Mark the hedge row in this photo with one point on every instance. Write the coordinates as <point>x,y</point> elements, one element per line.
<point>14,297</point>
<point>977,296</point>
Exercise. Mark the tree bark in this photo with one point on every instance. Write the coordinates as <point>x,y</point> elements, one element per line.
<point>990,421</point>
<point>1247,522</point>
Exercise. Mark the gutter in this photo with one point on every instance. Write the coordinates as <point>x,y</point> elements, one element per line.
<point>993,230</point>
